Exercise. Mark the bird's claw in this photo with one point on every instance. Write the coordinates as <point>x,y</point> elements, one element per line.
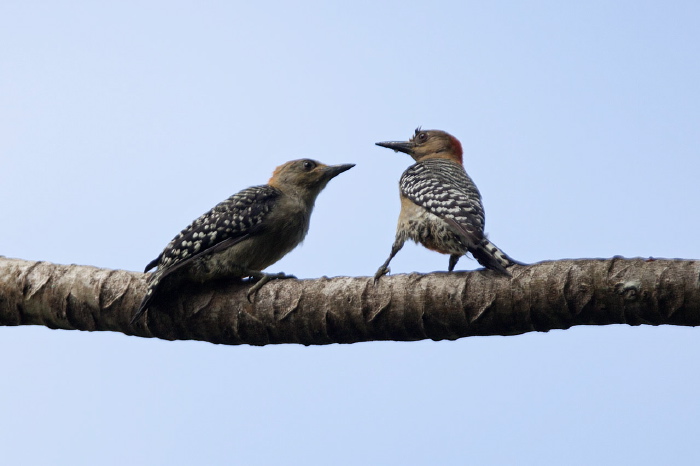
<point>380,273</point>
<point>264,279</point>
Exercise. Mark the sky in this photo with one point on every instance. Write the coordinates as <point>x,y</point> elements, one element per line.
<point>121,122</point>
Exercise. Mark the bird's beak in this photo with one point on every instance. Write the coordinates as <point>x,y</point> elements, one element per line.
<point>335,170</point>
<point>398,146</point>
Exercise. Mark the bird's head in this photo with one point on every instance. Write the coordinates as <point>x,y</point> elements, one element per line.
<point>306,177</point>
<point>428,144</point>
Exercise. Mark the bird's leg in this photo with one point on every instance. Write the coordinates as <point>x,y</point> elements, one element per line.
<point>263,278</point>
<point>454,258</point>
<point>384,269</point>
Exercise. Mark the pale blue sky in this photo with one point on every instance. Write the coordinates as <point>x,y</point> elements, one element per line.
<point>120,122</point>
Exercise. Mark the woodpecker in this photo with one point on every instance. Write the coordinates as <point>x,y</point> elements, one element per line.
<point>440,204</point>
<point>246,233</point>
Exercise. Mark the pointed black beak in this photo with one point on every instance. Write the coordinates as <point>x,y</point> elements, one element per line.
<point>398,146</point>
<point>335,170</point>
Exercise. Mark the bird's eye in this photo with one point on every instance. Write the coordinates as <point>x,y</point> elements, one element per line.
<point>422,137</point>
<point>308,165</point>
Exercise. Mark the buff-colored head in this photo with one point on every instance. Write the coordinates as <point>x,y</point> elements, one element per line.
<point>428,144</point>
<point>305,176</point>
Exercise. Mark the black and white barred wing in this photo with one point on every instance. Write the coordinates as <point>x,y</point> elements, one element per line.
<point>444,189</point>
<point>228,223</point>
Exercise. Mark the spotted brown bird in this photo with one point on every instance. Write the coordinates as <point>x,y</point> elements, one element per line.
<point>246,233</point>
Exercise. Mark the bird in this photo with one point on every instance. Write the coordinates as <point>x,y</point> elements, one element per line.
<point>245,233</point>
<point>440,204</point>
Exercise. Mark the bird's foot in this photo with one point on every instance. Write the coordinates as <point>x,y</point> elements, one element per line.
<point>383,270</point>
<point>264,278</point>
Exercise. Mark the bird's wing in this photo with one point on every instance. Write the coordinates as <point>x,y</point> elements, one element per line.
<point>228,223</point>
<point>445,190</point>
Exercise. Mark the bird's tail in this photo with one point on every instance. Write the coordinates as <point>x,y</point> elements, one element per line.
<point>153,281</point>
<point>490,256</point>
<point>142,308</point>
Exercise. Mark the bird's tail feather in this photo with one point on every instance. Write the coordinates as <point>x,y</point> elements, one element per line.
<point>153,281</point>
<point>490,256</point>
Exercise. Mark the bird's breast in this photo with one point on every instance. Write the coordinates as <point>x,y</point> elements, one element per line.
<point>428,229</point>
